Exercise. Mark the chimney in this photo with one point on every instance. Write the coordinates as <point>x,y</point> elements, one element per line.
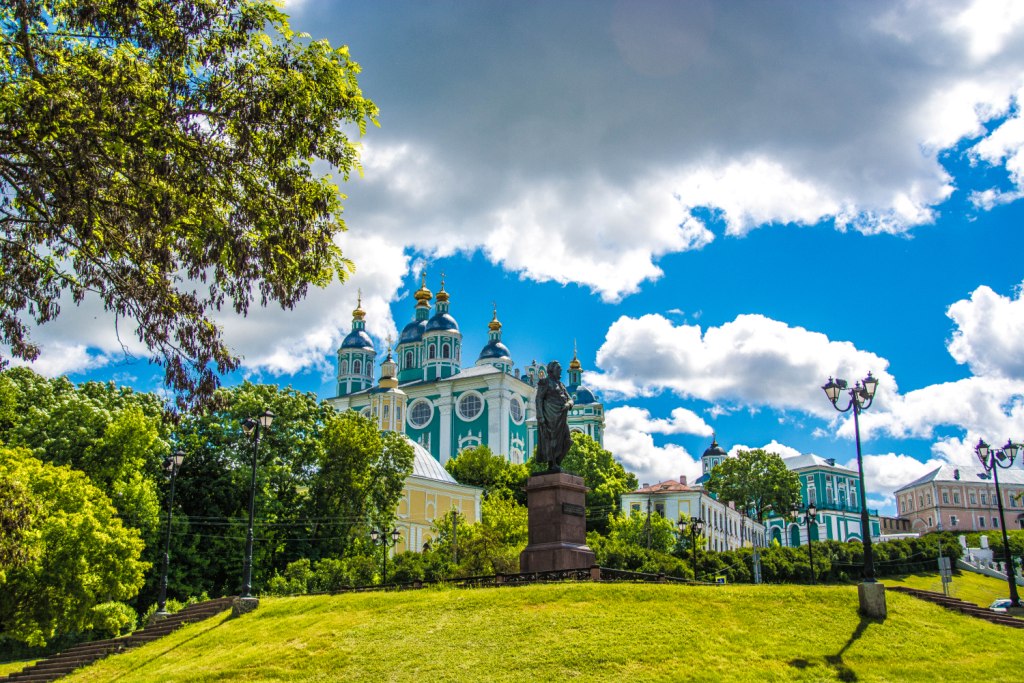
<point>644,485</point>
<point>831,462</point>
<point>682,479</point>
<point>956,474</point>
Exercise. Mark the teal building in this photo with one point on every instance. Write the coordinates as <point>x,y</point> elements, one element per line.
<point>444,405</point>
<point>835,491</point>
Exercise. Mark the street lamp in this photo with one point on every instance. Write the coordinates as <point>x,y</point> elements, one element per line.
<point>696,526</point>
<point>861,396</point>
<point>992,461</point>
<point>171,465</point>
<point>381,539</point>
<point>810,517</point>
<point>252,426</point>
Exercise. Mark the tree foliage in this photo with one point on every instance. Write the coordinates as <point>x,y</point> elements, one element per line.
<point>755,480</point>
<point>159,155</point>
<point>78,554</point>
<point>478,466</point>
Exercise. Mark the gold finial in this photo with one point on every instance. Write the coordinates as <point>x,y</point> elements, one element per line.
<point>359,313</point>
<point>495,324</point>
<point>574,364</point>
<point>423,295</point>
<point>442,296</point>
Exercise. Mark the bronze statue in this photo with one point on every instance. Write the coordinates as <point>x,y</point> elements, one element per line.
<point>553,405</point>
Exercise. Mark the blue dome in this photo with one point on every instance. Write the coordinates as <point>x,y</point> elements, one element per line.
<point>442,322</point>
<point>583,396</point>
<point>493,350</point>
<point>413,332</point>
<point>357,339</point>
<point>714,449</point>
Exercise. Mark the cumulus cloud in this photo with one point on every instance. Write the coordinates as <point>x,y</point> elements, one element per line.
<point>753,360</point>
<point>989,331</point>
<point>628,434</point>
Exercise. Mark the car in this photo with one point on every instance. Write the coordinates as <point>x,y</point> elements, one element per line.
<point>1000,605</point>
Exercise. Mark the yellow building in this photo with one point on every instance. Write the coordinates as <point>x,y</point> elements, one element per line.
<point>430,493</point>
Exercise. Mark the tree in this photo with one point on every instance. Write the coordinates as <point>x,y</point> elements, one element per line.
<point>359,480</point>
<point>606,478</point>
<point>77,554</point>
<point>159,156</point>
<point>755,480</point>
<point>478,466</point>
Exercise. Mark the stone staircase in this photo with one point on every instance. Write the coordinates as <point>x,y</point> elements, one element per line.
<point>65,662</point>
<point>957,605</point>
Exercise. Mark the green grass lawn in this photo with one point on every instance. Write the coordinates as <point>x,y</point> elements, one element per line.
<point>968,586</point>
<point>582,632</point>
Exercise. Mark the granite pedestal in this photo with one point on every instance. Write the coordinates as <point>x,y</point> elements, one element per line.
<point>557,527</point>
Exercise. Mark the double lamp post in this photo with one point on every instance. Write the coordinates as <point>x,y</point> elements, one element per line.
<point>993,461</point>
<point>810,518</point>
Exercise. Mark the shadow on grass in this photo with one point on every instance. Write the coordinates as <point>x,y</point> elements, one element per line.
<point>844,672</point>
<point>168,650</point>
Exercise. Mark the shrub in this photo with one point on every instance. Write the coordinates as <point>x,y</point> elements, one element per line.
<point>112,619</point>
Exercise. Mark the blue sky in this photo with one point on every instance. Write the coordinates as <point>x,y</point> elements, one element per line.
<point>721,204</point>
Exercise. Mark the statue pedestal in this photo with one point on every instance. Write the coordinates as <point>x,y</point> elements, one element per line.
<point>557,524</point>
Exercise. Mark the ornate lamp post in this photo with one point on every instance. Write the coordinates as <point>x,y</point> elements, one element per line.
<point>252,426</point>
<point>381,539</point>
<point>810,517</point>
<point>992,461</point>
<point>696,526</point>
<point>171,465</point>
<point>861,396</point>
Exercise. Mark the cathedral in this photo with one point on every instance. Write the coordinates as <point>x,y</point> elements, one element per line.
<point>427,394</point>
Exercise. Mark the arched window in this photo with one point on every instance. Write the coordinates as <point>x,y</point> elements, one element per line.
<point>356,367</point>
<point>432,352</point>
<point>794,536</point>
<point>408,359</point>
<point>446,351</point>
<point>344,367</point>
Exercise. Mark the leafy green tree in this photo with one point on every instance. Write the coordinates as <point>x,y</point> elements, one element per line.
<point>160,156</point>
<point>656,532</point>
<point>212,489</point>
<point>78,554</point>
<point>478,466</point>
<point>358,481</point>
<point>755,480</point>
<point>606,478</point>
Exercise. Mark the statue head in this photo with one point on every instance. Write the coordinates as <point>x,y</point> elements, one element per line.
<point>554,370</point>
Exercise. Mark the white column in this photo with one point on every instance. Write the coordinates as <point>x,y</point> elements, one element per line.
<point>444,409</point>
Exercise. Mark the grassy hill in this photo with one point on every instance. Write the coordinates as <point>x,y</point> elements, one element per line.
<point>585,632</point>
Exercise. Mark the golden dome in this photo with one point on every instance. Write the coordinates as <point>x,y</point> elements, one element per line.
<point>423,294</point>
<point>359,313</point>
<point>574,364</point>
<point>442,296</point>
<point>495,324</point>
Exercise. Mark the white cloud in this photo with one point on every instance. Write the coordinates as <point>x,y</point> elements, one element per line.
<point>628,433</point>
<point>753,360</point>
<point>989,331</point>
<point>781,450</point>
<point>58,358</point>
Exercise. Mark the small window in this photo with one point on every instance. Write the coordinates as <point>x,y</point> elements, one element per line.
<point>953,521</point>
<point>470,406</point>
<point>408,359</point>
<point>420,413</point>
<point>981,522</point>
<point>356,367</point>
<point>974,499</point>
<point>515,409</point>
<point>659,509</point>
<point>995,522</point>
<point>984,499</point>
<point>446,351</point>
<point>432,352</point>
<point>945,498</point>
<point>634,507</point>
<point>344,367</point>
<point>956,497</point>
